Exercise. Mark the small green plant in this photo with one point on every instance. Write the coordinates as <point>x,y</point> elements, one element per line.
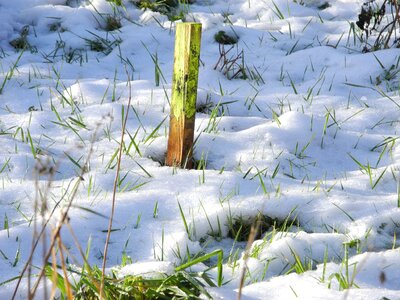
<point>96,45</point>
<point>56,27</point>
<point>222,37</point>
<point>71,55</point>
<point>100,44</point>
<point>21,42</point>
<point>345,281</point>
<point>389,75</point>
<point>180,285</point>
<point>215,118</point>
<point>216,233</point>
<point>116,2</point>
<point>300,266</point>
<point>240,227</point>
<point>91,282</point>
<point>276,10</point>
<point>170,8</point>
<point>112,23</point>
<point>10,73</point>
<point>369,170</point>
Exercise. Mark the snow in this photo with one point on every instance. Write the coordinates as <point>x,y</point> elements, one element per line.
<point>289,146</point>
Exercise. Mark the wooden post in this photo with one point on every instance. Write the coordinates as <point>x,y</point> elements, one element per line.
<point>184,95</point>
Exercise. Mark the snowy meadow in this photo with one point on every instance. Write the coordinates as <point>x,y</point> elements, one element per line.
<point>294,192</point>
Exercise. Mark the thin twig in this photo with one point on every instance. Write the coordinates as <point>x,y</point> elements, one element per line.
<point>115,190</point>
<point>35,243</point>
<point>63,266</point>
<point>252,236</point>
<point>62,221</point>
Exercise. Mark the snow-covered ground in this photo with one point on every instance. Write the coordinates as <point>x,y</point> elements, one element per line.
<point>310,141</point>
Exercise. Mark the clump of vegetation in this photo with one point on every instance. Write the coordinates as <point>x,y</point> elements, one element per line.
<point>116,2</point>
<point>381,23</point>
<point>324,6</point>
<point>21,42</point>
<point>233,66</point>
<point>97,45</point>
<point>112,23</point>
<point>388,78</point>
<point>56,27</point>
<point>100,44</point>
<point>240,227</point>
<point>347,273</point>
<point>170,8</point>
<point>300,266</point>
<point>160,6</point>
<point>71,55</point>
<point>222,37</point>
<point>180,285</point>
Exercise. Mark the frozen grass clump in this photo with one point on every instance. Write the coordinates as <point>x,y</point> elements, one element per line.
<point>222,37</point>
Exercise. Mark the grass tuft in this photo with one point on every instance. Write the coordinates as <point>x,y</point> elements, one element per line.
<point>240,227</point>
<point>222,37</point>
<point>112,23</point>
<point>180,285</point>
<point>21,42</point>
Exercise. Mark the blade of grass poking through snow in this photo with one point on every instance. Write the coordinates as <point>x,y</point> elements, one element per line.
<point>6,225</point>
<point>157,69</point>
<point>262,183</point>
<point>154,132</point>
<point>115,189</point>
<point>299,266</point>
<point>90,211</point>
<point>6,165</point>
<point>276,170</point>
<point>324,129</point>
<point>277,11</point>
<point>367,169</point>
<point>203,258</point>
<point>33,150</point>
<point>398,192</point>
<point>17,256</point>
<point>373,185</point>
<point>184,219</point>
<point>133,142</point>
<point>322,278</point>
<point>343,211</point>
<point>383,94</point>
<point>155,210</point>
<point>73,160</point>
<point>144,170</point>
<point>10,73</point>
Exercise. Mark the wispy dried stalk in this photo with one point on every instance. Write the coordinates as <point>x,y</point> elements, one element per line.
<point>252,237</point>
<point>56,232</point>
<point>115,190</point>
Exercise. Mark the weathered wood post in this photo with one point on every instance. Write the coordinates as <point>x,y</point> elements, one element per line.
<point>184,95</point>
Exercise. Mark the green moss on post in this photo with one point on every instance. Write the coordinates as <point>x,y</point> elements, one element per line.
<point>184,94</point>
